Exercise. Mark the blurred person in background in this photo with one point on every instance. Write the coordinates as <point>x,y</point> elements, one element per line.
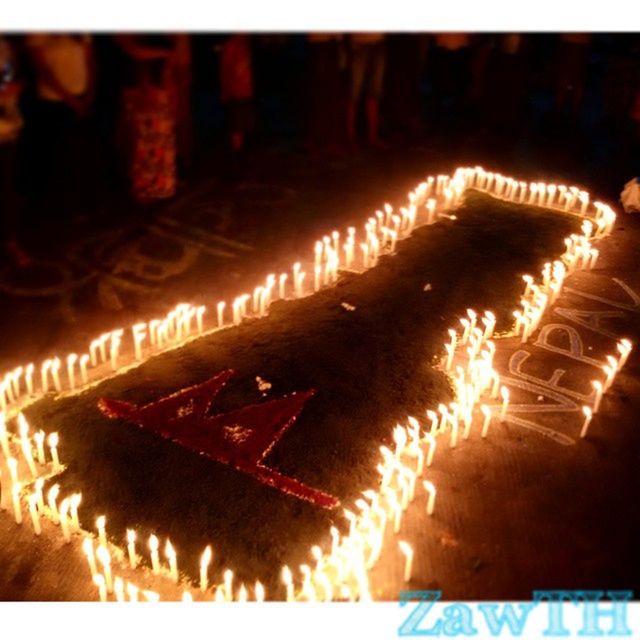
<point>367,76</point>
<point>57,118</point>
<point>452,76</point>
<point>10,129</point>
<point>236,89</point>
<point>571,60</point>
<point>406,56</point>
<point>147,122</point>
<point>326,93</point>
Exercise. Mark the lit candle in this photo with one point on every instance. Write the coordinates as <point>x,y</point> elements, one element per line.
<point>433,417</point>
<point>87,548</point>
<point>118,588</point>
<point>28,376</point>
<point>132,592</point>
<point>39,436</point>
<point>588,414</point>
<point>44,369</point>
<point>131,548</point>
<point>227,578</point>
<point>114,350</point>
<point>84,361</point>
<point>74,503</point>
<point>93,351</point>
<point>187,597</point>
<point>98,580</point>
<point>407,551</point>
<point>139,332</point>
<point>200,311</point>
<point>55,372</point>
<point>432,447</point>
<point>38,493</point>
<point>205,560</point>
<point>53,446</point>
<point>173,562</point>
<point>597,386</point>
<point>504,392</point>
<point>286,578</point>
<point>52,495</point>
<point>64,521</point>
<point>220,311</point>
<point>282,283</point>
<point>625,347</point>
<point>151,596</point>
<point>155,560</point>
<point>102,532</point>
<point>431,490</point>
<point>25,445</point>
<point>71,364</point>
<point>4,437</point>
<point>35,516</point>
<point>105,560</point>
<point>486,412</point>
<point>259,591</point>
<point>450,353</point>
<point>15,495</point>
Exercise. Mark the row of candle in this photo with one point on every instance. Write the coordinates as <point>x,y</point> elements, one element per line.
<point>157,334</point>
<point>382,231</point>
<point>100,561</point>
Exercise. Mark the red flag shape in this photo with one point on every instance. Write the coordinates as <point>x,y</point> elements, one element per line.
<point>240,438</point>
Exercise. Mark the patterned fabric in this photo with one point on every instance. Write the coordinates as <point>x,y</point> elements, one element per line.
<point>150,122</point>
